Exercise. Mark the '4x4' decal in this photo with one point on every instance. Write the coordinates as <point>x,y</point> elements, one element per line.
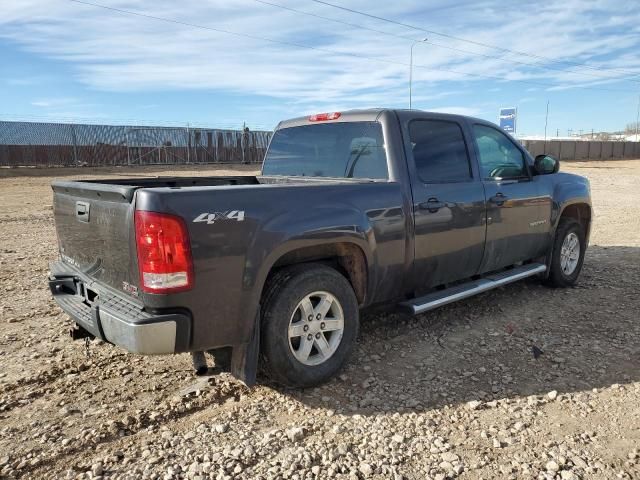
<point>210,218</point>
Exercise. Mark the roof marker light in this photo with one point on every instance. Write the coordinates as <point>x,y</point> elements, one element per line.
<point>323,117</point>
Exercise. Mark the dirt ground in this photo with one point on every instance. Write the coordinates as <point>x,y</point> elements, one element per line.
<point>453,393</point>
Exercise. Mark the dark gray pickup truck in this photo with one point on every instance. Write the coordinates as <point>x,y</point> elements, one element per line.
<point>352,210</point>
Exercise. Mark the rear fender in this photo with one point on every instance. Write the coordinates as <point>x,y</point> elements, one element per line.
<point>286,233</point>
<point>283,234</point>
<point>291,231</point>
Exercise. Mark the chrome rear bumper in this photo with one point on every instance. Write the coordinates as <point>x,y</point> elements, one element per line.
<point>118,320</point>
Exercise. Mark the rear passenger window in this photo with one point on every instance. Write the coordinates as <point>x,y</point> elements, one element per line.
<point>439,151</point>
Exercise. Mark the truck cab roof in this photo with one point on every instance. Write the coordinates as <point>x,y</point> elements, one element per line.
<point>372,115</point>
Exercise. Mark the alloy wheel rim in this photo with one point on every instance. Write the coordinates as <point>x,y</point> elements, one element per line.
<point>316,328</point>
<point>569,253</point>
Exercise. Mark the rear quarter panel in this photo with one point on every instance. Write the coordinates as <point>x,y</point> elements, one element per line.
<point>233,258</point>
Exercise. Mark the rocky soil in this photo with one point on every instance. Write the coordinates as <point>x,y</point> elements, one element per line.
<point>453,393</point>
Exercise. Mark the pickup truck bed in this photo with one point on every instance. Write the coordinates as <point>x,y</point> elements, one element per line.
<point>100,252</point>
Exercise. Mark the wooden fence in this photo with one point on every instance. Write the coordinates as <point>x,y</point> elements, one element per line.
<point>584,150</point>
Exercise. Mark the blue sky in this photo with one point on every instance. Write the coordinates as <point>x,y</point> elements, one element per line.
<point>65,61</point>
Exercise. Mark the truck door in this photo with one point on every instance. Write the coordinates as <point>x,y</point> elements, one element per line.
<point>516,229</point>
<point>448,202</point>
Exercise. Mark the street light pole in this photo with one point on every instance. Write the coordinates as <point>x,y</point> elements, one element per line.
<point>638,118</point>
<point>411,66</point>
<point>546,121</point>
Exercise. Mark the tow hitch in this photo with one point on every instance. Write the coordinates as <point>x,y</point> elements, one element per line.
<point>78,333</point>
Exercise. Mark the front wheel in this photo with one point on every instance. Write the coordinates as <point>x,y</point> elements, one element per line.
<point>568,254</point>
<point>309,324</point>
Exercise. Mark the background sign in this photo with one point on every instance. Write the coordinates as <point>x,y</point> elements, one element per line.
<point>508,119</point>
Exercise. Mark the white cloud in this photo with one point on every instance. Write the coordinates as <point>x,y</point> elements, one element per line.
<point>116,52</point>
<point>25,81</point>
<point>56,102</point>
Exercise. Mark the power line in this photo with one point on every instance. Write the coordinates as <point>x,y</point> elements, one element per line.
<point>411,39</point>
<point>474,42</point>
<point>213,29</point>
<point>531,82</point>
<point>335,20</point>
<point>326,50</point>
<point>536,65</point>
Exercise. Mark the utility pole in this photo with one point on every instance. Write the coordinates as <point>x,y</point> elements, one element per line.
<point>188,144</point>
<point>638,118</point>
<point>242,139</point>
<point>126,141</point>
<point>75,144</point>
<point>546,120</point>
<point>411,66</point>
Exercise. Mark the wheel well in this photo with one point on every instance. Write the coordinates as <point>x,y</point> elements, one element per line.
<point>580,212</point>
<point>346,258</point>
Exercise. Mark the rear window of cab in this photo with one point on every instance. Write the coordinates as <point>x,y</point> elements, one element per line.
<point>336,150</point>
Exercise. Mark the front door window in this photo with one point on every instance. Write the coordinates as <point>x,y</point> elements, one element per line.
<point>500,158</point>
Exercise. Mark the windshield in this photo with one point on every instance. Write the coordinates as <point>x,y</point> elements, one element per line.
<point>343,150</point>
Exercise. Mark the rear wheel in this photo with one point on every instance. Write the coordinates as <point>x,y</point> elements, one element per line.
<point>568,253</point>
<point>309,325</point>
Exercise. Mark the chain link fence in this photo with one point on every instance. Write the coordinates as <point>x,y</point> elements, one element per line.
<point>65,144</point>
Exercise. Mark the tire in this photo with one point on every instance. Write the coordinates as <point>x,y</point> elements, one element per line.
<point>284,301</point>
<point>562,274</point>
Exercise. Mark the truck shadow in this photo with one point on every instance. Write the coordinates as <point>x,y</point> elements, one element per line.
<point>482,349</point>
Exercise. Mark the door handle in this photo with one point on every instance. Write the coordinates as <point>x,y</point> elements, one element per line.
<point>499,199</point>
<point>433,205</point>
<point>82,211</point>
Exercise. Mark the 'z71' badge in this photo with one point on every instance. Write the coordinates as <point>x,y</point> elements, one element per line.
<point>237,215</point>
<point>131,289</point>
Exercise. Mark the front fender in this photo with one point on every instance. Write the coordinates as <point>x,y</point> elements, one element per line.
<point>569,190</point>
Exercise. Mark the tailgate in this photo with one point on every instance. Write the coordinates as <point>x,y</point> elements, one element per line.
<point>94,224</point>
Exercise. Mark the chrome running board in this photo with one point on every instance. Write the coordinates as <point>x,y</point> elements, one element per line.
<point>469,289</point>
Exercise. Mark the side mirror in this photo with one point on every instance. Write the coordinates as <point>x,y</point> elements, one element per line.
<point>545,164</point>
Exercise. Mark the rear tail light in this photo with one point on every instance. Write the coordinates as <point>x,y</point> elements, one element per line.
<point>323,117</point>
<point>164,254</point>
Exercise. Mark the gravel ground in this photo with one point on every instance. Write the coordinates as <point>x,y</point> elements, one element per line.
<point>453,393</point>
